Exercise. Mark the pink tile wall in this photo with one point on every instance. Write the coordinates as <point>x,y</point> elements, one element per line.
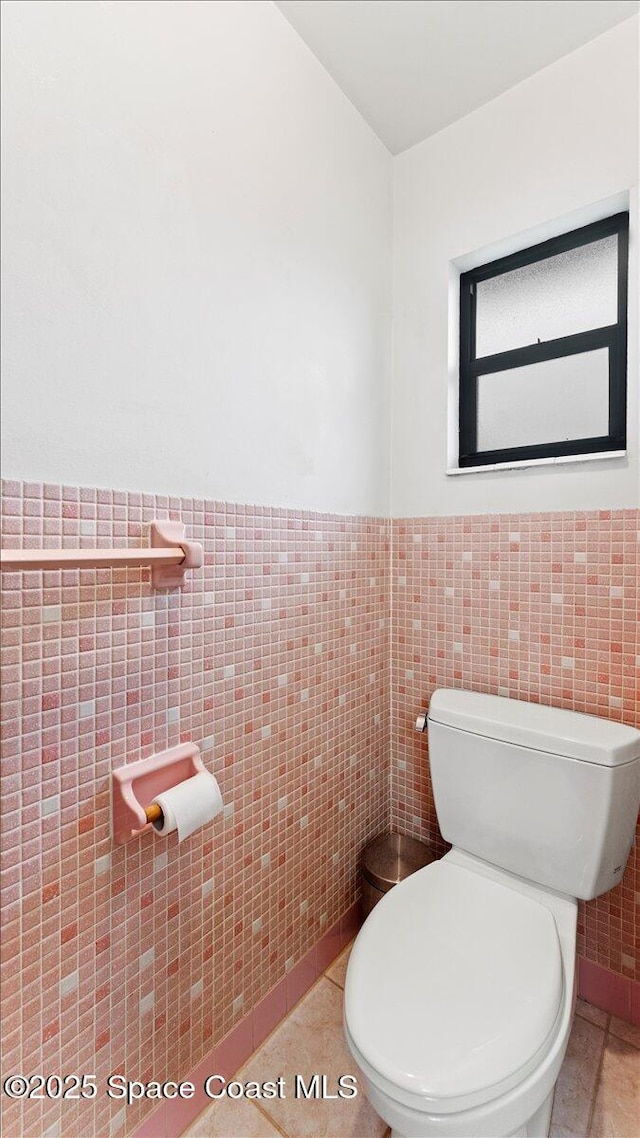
<point>274,659</point>
<point>540,607</point>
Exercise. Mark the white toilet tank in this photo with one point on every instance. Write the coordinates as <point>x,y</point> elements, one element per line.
<point>550,795</point>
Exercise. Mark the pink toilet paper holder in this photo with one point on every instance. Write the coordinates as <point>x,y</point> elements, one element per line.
<point>134,787</point>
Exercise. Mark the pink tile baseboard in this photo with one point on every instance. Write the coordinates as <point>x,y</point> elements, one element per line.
<point>174,1116</point>
<point>608,990</point>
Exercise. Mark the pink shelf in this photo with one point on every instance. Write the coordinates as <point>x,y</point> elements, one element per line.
<point>169,557</point>
<point>87,558</point>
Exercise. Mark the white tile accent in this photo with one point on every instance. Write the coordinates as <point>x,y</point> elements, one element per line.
<point>288,964</point>
<point>102,864</point>
<point>229,810</point>
<point>207,887</point>
<point>117,1122</point>
<point>51,614</point>
<point>402,581</point>
<point>568,662</point>
<point>514,634</point>
<point>87,709</point>
<point>318,649</point>
<point>237,1003</point>
<point>229,671</point>
<point>266,731</point>
<point>615,701</point>
<point>283,558</point>
<point>173,714</point>
<point>87,528</point>
<point>147,959</point>
<point>230,533</point>
<point>257,926</point>
<point>557,598</point>
<point>148,619</point>
<point>304,905</point>
<point>494,586</point>
<point>282,802</point>
<point>68,983</point>
<point>265,860</point>
<point>304,821</point>
<point>304,578</point>
<point>580,558</point>
<point>457,647</point>
<point>146,1003</point>
<point>304,695</point>
<point>616,591</point>
<point>449,592</point>
<point>515,536</point>
<point>196,989</point>
<point>467,555</point>
<point>266,604</point>
<point>208,743</point>
<point>50,805</point>
<point>160,862</point>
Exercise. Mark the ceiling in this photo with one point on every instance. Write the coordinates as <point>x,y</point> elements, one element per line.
<point>411,67</point>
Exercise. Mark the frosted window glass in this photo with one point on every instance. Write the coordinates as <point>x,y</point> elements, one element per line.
<point>550,402</point>
<point>562,295</point>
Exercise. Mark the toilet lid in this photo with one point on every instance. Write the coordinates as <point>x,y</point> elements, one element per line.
<point>454,983</point>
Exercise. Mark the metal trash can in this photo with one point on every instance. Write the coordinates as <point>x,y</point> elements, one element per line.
<point>386,861</point>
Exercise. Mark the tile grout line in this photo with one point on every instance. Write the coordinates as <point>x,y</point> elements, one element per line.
<point>335,983</point>
<point>272,1122</point>
<point>596,1082</point>
<point>258,1103</point>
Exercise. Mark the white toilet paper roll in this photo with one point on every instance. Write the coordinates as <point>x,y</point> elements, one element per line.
<point>188,805</point>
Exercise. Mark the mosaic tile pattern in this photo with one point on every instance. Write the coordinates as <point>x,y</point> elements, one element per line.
<point>540,607</point>
<point>274,659</point>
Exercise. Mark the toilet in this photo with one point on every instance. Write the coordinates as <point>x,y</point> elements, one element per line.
<point>461,984</point>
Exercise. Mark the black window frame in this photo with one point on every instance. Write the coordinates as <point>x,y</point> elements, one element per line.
<point>613,337</point>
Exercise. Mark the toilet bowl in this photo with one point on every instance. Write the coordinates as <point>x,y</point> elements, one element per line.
<point>460,987</point>
<point>473,972</point>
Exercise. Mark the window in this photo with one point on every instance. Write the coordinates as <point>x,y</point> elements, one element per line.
<point>543,349</point>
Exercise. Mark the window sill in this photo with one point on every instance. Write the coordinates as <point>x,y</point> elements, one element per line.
<point>563,461</point>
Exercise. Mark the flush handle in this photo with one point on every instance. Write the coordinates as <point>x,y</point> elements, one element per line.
<point>421,721</point>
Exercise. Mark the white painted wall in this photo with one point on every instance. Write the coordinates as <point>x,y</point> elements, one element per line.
<point>197,258</point>
<point>547,149</point>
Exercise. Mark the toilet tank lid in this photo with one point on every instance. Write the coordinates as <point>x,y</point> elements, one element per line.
<point>550,729</point>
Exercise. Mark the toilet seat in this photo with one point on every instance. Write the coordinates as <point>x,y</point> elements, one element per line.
<point>454,989</point>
